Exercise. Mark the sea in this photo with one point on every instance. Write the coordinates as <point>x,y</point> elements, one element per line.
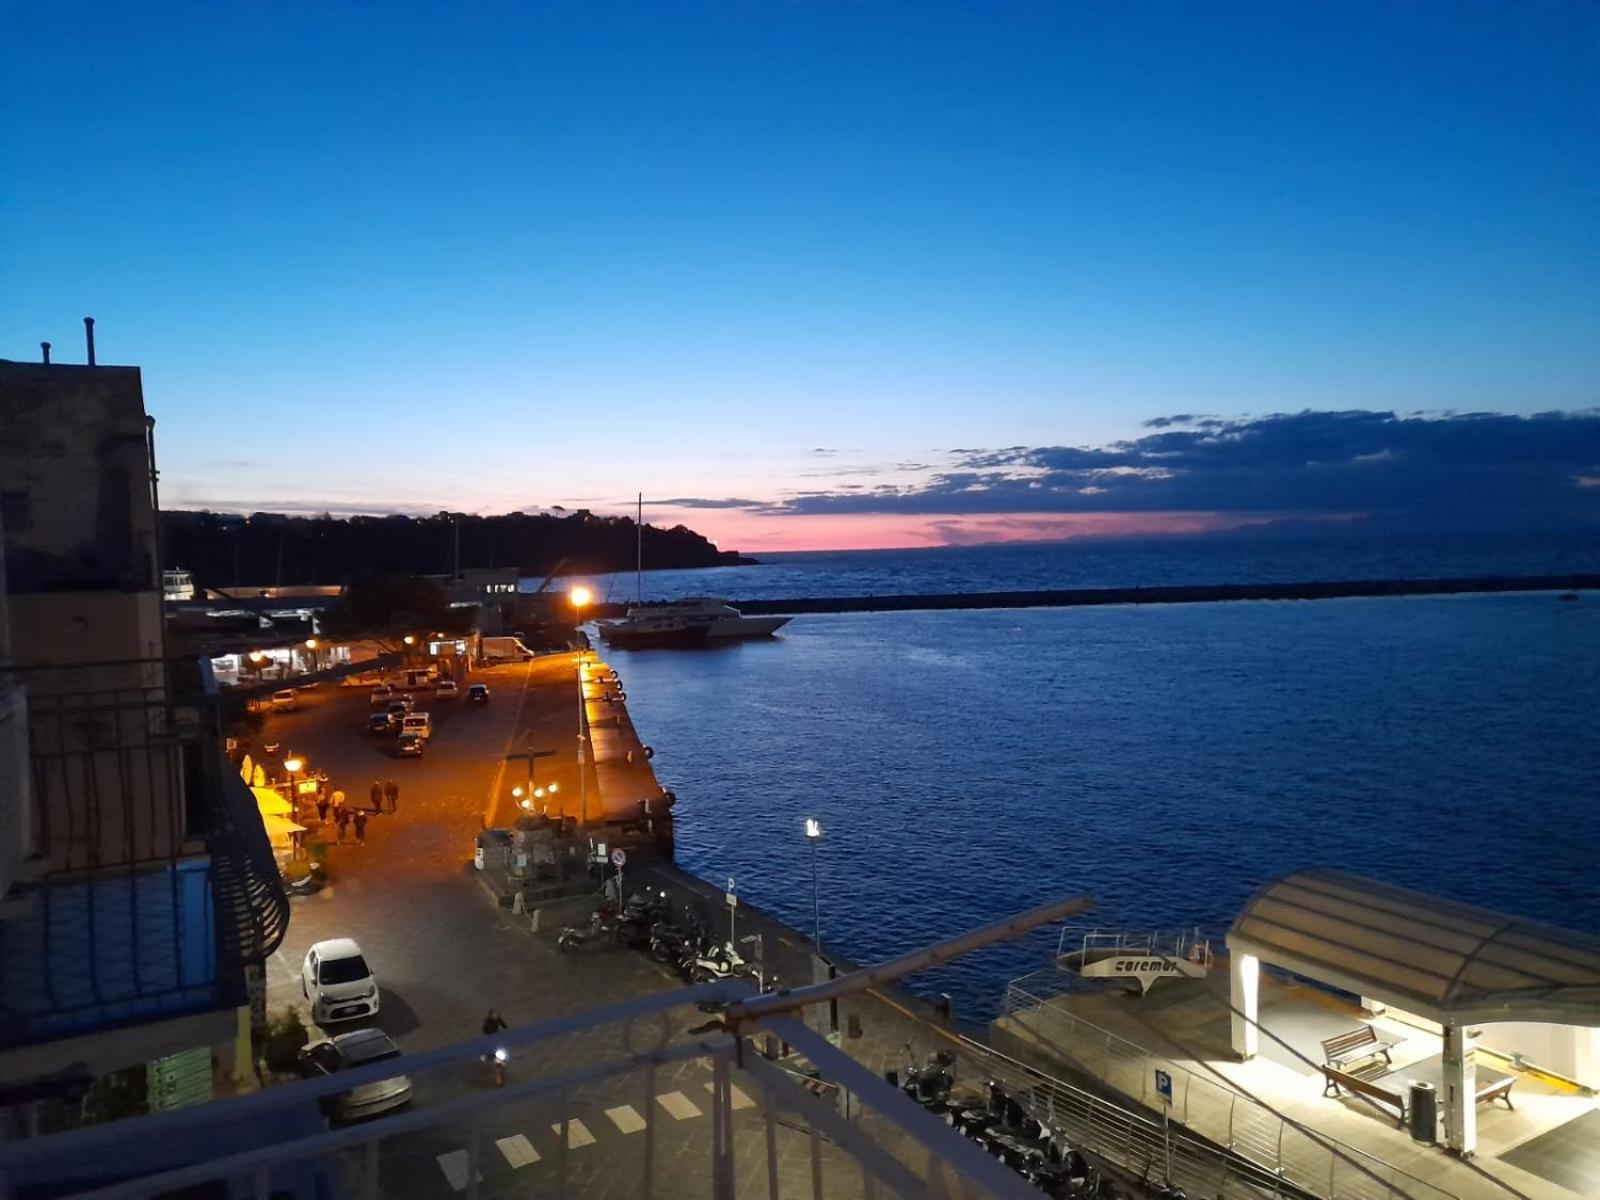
<point>1165,760</point>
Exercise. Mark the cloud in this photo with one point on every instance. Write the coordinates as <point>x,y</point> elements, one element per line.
<point>703,502</point>
<point>1468,466</point>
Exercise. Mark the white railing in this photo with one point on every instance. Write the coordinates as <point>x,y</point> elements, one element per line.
<point>651,1097</point>
<point>1310,1162</point>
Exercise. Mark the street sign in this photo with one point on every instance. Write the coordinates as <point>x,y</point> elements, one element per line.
<point>1164,1085</point>
<point>619,856</point>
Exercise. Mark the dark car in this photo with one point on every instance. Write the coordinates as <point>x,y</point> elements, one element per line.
<point>381,722</point>
<point>346,1052</point>
<point>411,745</point>
<point>478,693</point>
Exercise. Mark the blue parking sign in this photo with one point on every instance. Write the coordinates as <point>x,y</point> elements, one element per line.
<point>1164,1086</point>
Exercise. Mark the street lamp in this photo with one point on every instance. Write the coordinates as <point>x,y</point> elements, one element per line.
<point>293,765</point>
<point>814,835</point>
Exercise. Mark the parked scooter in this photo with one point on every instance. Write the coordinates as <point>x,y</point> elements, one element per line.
<point>929,1084</point>
<point>601,930</point>
<point>308,884</point>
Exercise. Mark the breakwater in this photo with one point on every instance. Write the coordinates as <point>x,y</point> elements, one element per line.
<point>1174,594</point>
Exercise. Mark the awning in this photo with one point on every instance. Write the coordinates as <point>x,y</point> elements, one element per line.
<point>279,829</point>
<point>270,802</point>
<point>1450,962</point>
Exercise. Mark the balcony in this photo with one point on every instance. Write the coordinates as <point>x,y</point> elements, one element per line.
<point>158,885</point>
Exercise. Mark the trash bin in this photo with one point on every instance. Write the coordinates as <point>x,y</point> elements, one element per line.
<point>1422,1112</point>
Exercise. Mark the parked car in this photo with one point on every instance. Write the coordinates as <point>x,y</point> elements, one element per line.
<point>399,708</point>
<point>336,979</point>
<point>411,745</point>
<point>285,701</point>
<point>345,1052</point>
<point>381,723</point>
<point>478,693</point>
<point>447,690</point>
<point>419,723</point>
<point>380,696</point>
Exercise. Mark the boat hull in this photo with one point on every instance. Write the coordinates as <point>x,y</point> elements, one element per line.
<point>746,627</point>
<point>646,639</point>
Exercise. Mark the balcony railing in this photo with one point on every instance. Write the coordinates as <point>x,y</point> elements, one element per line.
<point>158,885</point>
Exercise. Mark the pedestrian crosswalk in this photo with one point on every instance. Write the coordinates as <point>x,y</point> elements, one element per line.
<point>519,1152</point>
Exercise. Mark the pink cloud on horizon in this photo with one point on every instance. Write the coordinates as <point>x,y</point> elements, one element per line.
<point>754,532</point>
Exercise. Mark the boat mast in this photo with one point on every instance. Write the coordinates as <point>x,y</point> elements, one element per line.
<point>638,558</point>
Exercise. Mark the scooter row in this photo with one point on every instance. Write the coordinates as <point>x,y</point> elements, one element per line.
<point>997,1121</point>
<point>645,922</point>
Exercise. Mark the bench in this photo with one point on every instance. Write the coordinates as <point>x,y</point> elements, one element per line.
<point>1372,1088</point>
<point>1355,1046</point>
<point>1500,1089</point>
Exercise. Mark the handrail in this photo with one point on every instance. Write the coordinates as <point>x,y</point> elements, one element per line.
<point>1251,1129</point>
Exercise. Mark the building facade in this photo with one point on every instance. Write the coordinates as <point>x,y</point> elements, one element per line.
<point>138,888</point>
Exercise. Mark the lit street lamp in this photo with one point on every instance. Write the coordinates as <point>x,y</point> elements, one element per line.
<point>814,835</point>
<point>293,766</point>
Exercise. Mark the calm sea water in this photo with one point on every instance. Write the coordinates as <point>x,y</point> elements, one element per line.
<point>1165,759</point>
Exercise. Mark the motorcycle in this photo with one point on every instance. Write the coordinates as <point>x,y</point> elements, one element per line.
<point>929,1084</point>
<point>308,884</point>
<point>601,929</point>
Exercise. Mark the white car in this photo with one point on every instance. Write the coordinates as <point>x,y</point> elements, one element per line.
<point>419,723</point>
<point>336,979</point>
<point>285,701</point>
<point>446,690</point>
<point>380,696</point>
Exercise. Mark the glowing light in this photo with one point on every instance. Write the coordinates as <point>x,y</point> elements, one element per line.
<point>580,596</point>
<point>256,656</point>
<point>293,765</point>
<point>311,643</point>
<point>516,792</point>
<point>409,640</point>
<point>552,789</point>
<point>813,827</point>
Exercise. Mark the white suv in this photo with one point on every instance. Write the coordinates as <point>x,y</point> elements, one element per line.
<point>338,982</point>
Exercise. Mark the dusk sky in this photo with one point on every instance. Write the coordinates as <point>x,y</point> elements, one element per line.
<point>827,274</point>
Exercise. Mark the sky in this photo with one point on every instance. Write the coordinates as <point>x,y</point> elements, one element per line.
<point>828,275</point>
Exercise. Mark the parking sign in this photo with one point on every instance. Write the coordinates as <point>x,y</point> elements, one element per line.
<point>1164,1085</point>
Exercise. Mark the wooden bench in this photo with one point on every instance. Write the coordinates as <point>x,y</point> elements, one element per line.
<point>1500,1089</point>
<point>1372,1088</point>
<point>1355,1046</point>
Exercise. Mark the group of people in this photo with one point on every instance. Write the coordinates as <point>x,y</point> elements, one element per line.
<point>383,797</point>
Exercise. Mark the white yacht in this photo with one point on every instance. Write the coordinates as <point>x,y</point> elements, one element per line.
<point>686,622</point>
<point>725,620</point>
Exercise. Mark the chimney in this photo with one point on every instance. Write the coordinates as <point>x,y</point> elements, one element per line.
<point>45,346</point>
<point>88,333</point>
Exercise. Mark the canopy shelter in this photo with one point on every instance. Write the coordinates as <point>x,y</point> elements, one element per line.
<point>271,802</point>
<point>280,829</point>
<point>1451,963</point>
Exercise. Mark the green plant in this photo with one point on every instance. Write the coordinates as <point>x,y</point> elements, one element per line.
<point>286,1037</point>
<point>112,1097</point>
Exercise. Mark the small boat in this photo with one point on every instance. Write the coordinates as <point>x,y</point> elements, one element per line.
<point>1141,957</point>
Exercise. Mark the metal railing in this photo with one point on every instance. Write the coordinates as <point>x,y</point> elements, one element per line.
<point>646,1097</point>
<point>1312,1163</point>
<point>157,885</point>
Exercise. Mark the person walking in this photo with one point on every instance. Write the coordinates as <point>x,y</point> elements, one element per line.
<point>361,828</point>
<point>341,818</point>
<point>322,808</point>
<point>338,799</point>
<point>391,795</point>
<point>376,795</point>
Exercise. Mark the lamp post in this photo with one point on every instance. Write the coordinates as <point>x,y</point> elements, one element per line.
<point>580,596</point>
<point>293,765</point>
<point>311,645</point>
<point>814,835</point>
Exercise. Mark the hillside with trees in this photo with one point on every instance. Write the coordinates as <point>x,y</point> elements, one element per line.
<point>265,549</point>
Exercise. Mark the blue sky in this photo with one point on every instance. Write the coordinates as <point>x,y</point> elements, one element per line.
<point>490,256</point>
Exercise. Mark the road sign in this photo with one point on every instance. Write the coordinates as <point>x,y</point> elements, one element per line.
<point>1164,1085</point>
<point>619,856</point>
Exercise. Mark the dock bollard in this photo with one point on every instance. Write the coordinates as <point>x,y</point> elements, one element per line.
<point>946,1008</point>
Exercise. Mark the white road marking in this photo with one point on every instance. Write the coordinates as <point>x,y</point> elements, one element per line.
<point>518,1151</point>
<point>578,1134</point>
<point>454,1165</point>
<point>679,1105</point>
<point>737,1098</point>
<point>626,1118</point>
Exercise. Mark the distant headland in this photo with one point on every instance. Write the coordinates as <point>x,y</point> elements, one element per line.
<point>224,549</point>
